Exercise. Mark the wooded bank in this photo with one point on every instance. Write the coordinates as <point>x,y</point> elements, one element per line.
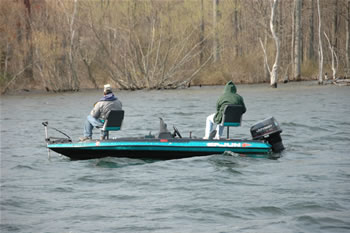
<point>66,45</point>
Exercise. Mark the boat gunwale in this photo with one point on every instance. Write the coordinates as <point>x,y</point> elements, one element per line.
<point>172,142</point>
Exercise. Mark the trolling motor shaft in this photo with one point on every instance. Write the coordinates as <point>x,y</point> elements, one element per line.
<point>45,124</point>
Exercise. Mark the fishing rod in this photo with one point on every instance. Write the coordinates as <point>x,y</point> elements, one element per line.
<point>46,123</point>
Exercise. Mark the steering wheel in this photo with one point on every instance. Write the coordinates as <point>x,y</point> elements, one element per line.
<point>176,132</point>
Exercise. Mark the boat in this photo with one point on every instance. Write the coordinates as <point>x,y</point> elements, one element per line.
<point>266,141</point>
<point>158,149</point>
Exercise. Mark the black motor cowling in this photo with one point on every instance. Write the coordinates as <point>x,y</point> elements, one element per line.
<point>268,130</point>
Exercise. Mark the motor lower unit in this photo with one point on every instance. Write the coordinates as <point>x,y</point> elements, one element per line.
<point>270,131</point>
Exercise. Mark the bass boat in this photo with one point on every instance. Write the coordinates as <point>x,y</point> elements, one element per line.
<point>266,141</point>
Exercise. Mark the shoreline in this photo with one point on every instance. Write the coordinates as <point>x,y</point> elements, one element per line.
<point>25,91</point>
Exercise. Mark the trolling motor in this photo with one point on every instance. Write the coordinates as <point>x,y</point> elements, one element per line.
<point>50,140</point>
<point>54,139</point>
<point>268,130</point>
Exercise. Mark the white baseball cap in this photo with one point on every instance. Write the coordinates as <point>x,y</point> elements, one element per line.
<point>107,87</point>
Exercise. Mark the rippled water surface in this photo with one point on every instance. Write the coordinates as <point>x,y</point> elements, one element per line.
<point>307,190</point>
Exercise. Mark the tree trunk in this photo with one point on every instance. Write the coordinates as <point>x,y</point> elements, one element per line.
<point>73,77</point>
<point>334,58</point>
<point>302,37</point>
<point>267,73</point>
<point>201,36</point>
<point>236,28</point>
<point>320,50</point>
<point>292,40</point>
<point>216,54</point>
<point>297,53</point>
<point>348,38</point>
<point>274,71</point>
<point>29,40</point>
<point>335,25</point>
<point>280,20</point>
<point>311,52</point>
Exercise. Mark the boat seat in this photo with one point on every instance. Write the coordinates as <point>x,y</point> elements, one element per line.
<point>232,117</point>
<point>113,122</point>
<point>163,131</point>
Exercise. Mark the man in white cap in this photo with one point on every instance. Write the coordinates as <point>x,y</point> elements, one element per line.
<point>100,111</point>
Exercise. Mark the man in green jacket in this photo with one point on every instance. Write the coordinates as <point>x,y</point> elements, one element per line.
<point>230,96</point>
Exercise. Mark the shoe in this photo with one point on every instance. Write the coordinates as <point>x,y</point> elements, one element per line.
<point>84,139</point>
<point>212,134</point>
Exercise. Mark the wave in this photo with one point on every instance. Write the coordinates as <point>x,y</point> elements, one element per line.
<point>329,221</point>
<point>304,126</point>
<point>267,211</point>
<point>26,167</point>
<point>121,162</point>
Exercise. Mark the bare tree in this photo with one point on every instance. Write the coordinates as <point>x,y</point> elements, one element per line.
<point>236,28</point>
<point>298,32</point>
<point>292,45</point>
<point>320,50</point>
<point>29,40</point>
<point>72,72</point>
<point>311,37</point>
<point>267,72</point>
<point>201,35</point>
<point>334,58</point>
<point>347,49</point>
<point>148,56</point>
<point>56,47</point>
<point>335,25</point>
<point>216,13</point>
<point>274,71</point>
<point>67,45</point>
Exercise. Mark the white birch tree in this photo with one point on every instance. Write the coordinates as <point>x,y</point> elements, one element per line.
<point>334,58</point>
<point>320,50</point>
<point>274,71</point>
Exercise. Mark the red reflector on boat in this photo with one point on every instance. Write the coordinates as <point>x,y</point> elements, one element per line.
<point>163,140</point>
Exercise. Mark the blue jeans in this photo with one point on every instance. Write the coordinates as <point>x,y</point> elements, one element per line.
<point>90,123</point>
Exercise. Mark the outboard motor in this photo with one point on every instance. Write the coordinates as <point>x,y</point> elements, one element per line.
<point>269,131</point>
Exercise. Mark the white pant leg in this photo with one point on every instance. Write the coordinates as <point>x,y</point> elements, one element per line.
<point>209,125</point>
<point>219,131</point>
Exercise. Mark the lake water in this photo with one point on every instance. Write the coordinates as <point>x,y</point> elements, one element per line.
<point>306,190</point>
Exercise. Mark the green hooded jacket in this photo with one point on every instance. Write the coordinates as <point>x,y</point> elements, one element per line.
<point>229,97</point>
